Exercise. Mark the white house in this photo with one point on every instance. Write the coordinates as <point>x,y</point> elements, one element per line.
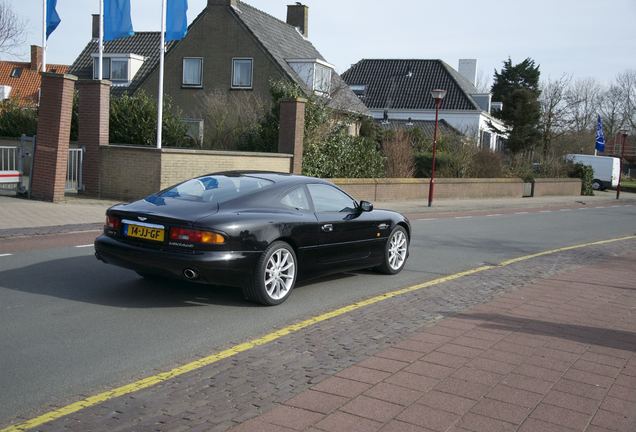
<point>400,90</point>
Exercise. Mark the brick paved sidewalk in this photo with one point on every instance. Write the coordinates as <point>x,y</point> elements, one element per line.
<point>555,355</point>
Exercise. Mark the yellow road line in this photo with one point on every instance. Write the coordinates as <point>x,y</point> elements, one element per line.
<point>236,349</point>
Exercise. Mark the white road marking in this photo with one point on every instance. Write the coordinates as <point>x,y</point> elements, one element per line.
<point>84,246</point>
<point>545,211</point>
<point>494,214</point>
<point>521,212</point>
<point>4,255</point>
<point>463,217</point>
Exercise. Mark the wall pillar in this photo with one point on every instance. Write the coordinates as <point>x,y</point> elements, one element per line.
<point>53,136</point>
<point>291,131</point>
<point>93,117</point>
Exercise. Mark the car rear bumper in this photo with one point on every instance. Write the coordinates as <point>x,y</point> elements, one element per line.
<point>220,268</point>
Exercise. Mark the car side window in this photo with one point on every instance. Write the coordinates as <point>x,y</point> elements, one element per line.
<point>296,198</point>
<point>329,199</point>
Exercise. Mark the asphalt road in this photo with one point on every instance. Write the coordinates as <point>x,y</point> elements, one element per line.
<point>72,326</point>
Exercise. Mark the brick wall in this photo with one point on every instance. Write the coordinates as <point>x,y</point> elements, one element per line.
<point>94,102</point>
<point>54,131</point>
<point>407,189</point>
<point>557,186</point>
<point>129,172</point>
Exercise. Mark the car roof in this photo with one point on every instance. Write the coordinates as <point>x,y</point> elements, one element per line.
<point>276,177</point>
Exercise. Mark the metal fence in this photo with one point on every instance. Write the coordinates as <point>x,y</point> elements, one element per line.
<point>9,158</point>
<point>74,181</point>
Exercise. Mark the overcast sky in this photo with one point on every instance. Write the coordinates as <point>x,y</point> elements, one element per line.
<point>584,38</point>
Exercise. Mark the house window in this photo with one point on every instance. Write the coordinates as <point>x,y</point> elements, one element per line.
<point>16,72</point>
<point>242,73</point>
<point>192,72</point>
<point>359,90</point>
<point>105,68</point>
<point>322,80</point>
<point>119,70</point>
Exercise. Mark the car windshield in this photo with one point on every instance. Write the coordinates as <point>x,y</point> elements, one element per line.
<point>217,188</point>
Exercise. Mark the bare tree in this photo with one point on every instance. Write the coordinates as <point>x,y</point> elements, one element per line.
<point>555,105</point>
<point>626,81</point>
<point>581,97</point>
<point>11,29</point>
<point>612,108</point>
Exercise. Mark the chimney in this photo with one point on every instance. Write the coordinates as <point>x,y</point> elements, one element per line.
<point>95,29</point>
<point>233,3</point>
<point>36,57</point>
<point>298,16</point>
<point>468,69</point>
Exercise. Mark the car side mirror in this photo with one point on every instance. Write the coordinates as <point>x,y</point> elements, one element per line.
<point>366,206</point>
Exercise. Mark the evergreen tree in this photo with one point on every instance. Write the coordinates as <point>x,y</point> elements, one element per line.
<point>517,86</point>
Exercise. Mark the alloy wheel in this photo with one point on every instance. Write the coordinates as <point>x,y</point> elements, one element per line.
<point>279,274</point>
<point>397,250</point>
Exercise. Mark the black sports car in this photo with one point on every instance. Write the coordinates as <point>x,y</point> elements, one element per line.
<point>258,230</point>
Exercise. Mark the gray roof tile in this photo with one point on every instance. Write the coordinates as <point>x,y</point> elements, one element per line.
<point>389,85</point>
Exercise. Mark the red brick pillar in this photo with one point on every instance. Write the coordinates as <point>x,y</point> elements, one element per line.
<point>291,131</point>
<point>54,132</point>
<point>93,110</point>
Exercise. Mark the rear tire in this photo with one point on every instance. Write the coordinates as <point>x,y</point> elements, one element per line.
<point>274,276</point>
<point>396,251</point>
<point>597,185</point>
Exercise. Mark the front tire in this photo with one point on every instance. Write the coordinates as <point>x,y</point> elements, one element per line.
<point>274,277</point>
<point>396,251</point>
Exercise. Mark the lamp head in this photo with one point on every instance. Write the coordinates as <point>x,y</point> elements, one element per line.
<point>438,94</point>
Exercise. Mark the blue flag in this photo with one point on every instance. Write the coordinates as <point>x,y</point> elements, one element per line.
<point>117,22</point>
<point>600,136</point>
<point>52,18</point>
<point>176,19</point>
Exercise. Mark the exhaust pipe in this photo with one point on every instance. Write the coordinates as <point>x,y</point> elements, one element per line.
<point>190,274</point>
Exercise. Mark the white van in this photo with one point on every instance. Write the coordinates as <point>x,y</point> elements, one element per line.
<point>606,169</point>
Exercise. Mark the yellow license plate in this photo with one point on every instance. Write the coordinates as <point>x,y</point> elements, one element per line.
<point>146,233</point>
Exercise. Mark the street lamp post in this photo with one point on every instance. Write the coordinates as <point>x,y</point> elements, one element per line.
<point>623,133</point>
<point>438,95</point>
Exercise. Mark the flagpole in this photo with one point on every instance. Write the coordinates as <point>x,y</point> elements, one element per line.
<point>161,55</point>
<point>100,60</point>
<point>43,35</point>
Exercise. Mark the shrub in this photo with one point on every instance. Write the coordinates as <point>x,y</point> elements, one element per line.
<point>486,164</point>
<point>424,164</point>
<point>15,120</point>
<point>398,150</point>
<point>519,166</point>
<point>133,120</point>
<point>342,155</point>
<point>586,174</point>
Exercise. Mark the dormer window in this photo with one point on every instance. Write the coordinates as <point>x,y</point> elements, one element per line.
<point>16,72</point>
<point>118,68</point>
<point>359,90</point>
<point>315,73</point>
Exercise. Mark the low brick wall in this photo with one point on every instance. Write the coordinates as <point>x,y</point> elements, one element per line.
<point>131,172</point>
<point>178,165</point>
<point>557,186</point>
<point>392,189</point>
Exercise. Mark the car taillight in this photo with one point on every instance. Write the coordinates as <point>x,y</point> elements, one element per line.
<point>113,222</point>
<point>196,236</point>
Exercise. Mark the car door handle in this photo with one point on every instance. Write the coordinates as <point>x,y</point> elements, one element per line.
<point>327,228</point>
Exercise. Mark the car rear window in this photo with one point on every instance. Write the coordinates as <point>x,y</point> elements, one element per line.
<point>215,189</point>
